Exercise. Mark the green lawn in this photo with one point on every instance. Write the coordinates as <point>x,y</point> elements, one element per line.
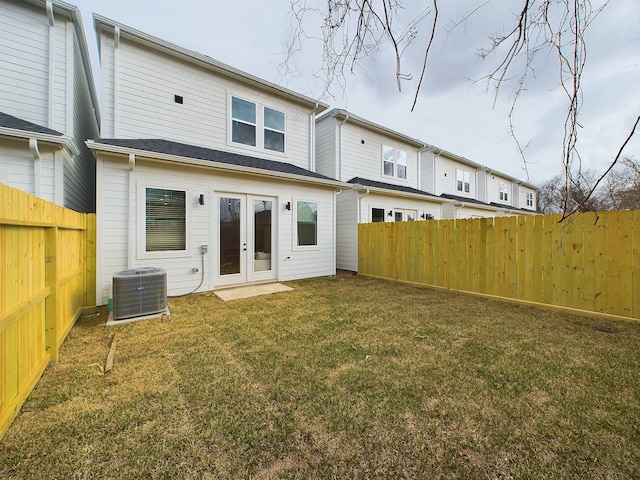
<point>348,378</point>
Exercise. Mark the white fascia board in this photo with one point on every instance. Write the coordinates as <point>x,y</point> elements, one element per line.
<point>62,140</point>
<point>220,68</point>
<point>164,157</point>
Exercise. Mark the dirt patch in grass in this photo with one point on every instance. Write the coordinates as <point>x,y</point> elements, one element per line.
<point>342,378</point>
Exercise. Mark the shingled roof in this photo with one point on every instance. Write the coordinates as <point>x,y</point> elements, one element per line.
<point>167,147</point>
<point>9,121</point>
<point>389,186</point>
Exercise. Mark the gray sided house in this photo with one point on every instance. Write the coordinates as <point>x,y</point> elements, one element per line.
<point>205,171</point>
<point>48,104</point>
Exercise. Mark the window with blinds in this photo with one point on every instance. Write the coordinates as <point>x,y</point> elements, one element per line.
<point>166,216</point>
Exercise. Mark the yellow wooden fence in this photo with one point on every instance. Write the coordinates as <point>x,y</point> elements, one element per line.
<point>590,262</point>
<point>47,259</point>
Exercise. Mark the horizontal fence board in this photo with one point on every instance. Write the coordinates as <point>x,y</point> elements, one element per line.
<point>589,262</point>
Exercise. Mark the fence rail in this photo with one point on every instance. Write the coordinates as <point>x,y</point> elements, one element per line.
<point>590,262</point>
<point>47,254</point>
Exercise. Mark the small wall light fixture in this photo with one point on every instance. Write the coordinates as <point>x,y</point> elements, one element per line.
<point>201,199</point>
<point>287,206</point>
<point>391,213</point>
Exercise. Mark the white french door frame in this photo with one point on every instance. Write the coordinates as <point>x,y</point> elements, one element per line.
<point>245,234</point>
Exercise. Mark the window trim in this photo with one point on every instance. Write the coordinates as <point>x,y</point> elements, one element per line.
<point>465,183</point>
<point>395,163</point>
<point>503,192</point>
<point>260,127</point>
<point>141,228</point>
<point>296,245</point>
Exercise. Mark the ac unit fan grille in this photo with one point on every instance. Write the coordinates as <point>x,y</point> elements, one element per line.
<point>139,292</point>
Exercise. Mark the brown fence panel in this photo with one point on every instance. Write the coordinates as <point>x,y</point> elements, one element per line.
<point>590,262</point>
<point>47,254</point>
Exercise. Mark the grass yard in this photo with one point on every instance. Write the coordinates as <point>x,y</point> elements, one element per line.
<point>349,378</point>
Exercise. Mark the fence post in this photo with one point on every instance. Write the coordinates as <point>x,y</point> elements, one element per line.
<point>51,282</point>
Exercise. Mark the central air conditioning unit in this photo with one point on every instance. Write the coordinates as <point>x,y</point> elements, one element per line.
<point>138,292</point>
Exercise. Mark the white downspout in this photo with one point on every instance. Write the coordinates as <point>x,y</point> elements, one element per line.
<point>52,58</point>
<point>37,167</point>
<point>132,164</point>
<point>116,86</point>
<point>339,165</point>
<point>312,138</point>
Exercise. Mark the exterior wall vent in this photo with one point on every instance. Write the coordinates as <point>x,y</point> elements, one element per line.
<point>139,292</point>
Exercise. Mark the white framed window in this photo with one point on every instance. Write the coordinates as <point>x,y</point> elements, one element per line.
<point>529,199</point>
<point>306,221</point>
<point>463,182</point>
<point>273,130</point>
<point>243,121</point>
<point>401,163</point>
<point>257,125</point>
<point>165,220</point>
<point>377,215</point>
<point>402,215</point>
<point>504,192</point>
<point>394,162</point>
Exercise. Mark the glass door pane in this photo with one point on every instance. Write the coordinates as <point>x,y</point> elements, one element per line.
<point>230,236</point>
<point>262,210</point>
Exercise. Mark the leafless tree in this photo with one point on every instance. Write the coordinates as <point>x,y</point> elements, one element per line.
<point>553,30</point>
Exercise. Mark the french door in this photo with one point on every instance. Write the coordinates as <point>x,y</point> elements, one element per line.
<point>246,239</point>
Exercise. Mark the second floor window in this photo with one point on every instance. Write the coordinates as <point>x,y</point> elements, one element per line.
<point>504,195</point>
<point>394,162</point>
<point>257,126</point>
<point>463,181</point>
<point>529,199</point>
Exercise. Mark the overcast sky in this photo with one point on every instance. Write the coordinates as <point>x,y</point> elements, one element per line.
<point>453,112</point>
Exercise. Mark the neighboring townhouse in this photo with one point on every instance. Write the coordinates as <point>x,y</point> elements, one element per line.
<point>205,171</point>
<point>383,169</point>
<point>48,104</point>
<point>474,190</point>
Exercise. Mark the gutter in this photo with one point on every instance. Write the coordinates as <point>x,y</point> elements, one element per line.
<point>62,140</point>
<point>154,156</point>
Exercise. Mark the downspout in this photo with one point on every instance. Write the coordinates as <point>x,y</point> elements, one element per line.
<point>52,57</point>
<point>132,164</point>
<point>116,86</point>
<point>37,167</point>
<point>360,197</point>
<point>312,138</point>
<point>339,165</point>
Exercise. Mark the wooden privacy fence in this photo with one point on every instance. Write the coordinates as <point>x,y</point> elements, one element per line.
<point>590,262</point>
<point>47,256</point>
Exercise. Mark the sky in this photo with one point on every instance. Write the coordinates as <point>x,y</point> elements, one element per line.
<point>455,111</point>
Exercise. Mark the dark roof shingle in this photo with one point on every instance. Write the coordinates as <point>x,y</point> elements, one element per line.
<point>389,186</point>
<point>200,153</point>
<point>9,121</point>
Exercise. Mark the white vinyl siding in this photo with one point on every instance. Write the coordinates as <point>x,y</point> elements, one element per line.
<point>326,145</point>
<point>113,219</point>
<point>446,177</point>
<point>360,152</point>
<point>24,61</point>
<point>146,82</point>
<point>347,230</point>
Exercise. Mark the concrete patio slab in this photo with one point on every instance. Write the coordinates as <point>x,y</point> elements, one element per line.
<point>248,291</point>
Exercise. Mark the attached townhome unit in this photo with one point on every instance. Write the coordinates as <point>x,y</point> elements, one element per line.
<point>474,190</point>
<point>205,171</point>
<point>382,168</point>
<point>48,104</point>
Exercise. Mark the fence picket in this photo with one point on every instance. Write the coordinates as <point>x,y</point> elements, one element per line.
<point>590,262</point>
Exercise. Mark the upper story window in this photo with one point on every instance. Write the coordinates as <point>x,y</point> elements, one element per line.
<point>463,181</point>
<point>257,126</point>
<point>394,162</point>
<point>529,199</point>
<point>504,192</point>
